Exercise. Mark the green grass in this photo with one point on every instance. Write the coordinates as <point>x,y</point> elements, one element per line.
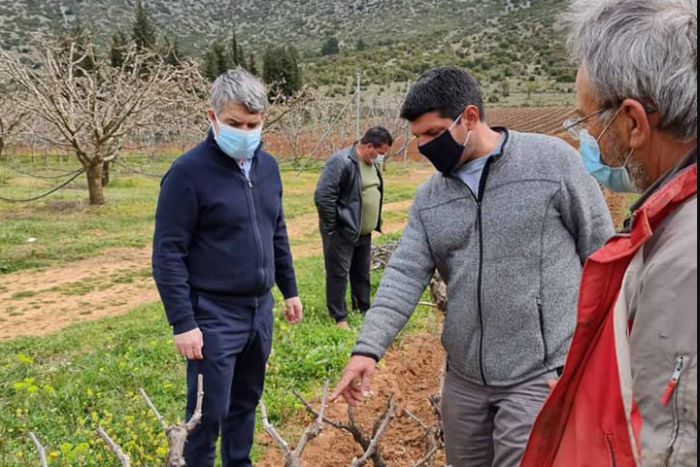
<point>57,222</point>
<point>24,294</point>
<point>67,229</point>
<point>63,386</point>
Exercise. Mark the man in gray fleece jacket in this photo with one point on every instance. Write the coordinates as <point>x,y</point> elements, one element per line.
<point>508,224</point>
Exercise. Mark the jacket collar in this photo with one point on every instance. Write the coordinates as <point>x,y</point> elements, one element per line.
<point>353,155</point>
<point>496,156</point>
<point>659,186</point>
<point>504,144</point>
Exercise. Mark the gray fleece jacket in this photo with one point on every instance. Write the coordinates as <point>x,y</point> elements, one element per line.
<point>511,258</point>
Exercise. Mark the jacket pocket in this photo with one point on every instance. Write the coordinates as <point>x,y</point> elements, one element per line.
<point>670,397</point>
<point>345,217</point>
<point>194,299</point>
<point>611,449</point>
<point>543,331</point>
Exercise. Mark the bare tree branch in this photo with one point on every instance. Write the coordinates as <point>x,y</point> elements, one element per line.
<point>153,408</point>
<point>274,434</point>
<point>40,449</point>
<point>114,447</point>
<point>433,437</point>
<point>293,458</point>
<point>177,434</point>
<point>92,109</point>
<point>196,417</point>
<point>314,430</point>
<point>379,433</point>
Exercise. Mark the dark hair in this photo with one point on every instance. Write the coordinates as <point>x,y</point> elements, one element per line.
<point>447,90</point>
<point>377,136</point>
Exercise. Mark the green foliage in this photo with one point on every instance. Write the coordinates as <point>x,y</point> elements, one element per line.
<point>397,40</point>
<point>216,61</point>
<point>331,47</point>
<point>223,57</point>
<point>117,48</point>
<point>252,67</point>
<point>281,70</point>
<point>505,88</point>
<point>143,31</point>
<point>171,52</point>
<point>236,55</point>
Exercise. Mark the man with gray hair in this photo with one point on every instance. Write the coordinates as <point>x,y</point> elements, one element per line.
<point>220,245</point>
<point>628,395</point>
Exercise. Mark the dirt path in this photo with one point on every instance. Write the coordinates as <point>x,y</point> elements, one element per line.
<point>412,373</point>
<point>43,302</point>
<point>112,283</point>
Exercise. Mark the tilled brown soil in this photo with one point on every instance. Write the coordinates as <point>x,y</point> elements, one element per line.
<point>412,373</point>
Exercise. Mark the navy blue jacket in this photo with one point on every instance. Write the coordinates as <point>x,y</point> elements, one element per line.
<point>219,234</point>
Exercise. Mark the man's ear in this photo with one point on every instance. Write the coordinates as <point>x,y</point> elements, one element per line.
<point>212,116</point>
<point>471,117</point>
<point>634,123</point>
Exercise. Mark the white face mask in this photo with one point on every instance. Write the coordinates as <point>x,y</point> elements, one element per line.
<point>380,159</point>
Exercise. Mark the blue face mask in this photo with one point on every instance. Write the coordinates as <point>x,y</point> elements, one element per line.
<point>380,159</point>
<point>616,179</point>
<point>238,144</point>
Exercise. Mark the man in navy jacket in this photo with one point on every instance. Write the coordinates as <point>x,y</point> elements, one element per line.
<point>220,245</point>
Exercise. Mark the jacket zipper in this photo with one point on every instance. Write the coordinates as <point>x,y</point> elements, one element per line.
<point>479,297</point>
<point>479,200</point>
<point>479,203</point>
<point>666,400</point>
<point>479,221</point>
<point>358,185</point>
<point>673,383</point>
<point>381,198</point>
<point>256,228</point>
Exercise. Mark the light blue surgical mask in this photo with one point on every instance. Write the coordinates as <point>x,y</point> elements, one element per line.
<point>380,159</point>
<point>237,144</point>
<point>617,179</point>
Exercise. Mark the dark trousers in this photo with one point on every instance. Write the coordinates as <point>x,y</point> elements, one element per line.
<point>237,343</point>
<point>346,259</point>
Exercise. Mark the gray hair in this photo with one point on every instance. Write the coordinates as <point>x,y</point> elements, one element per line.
<point>644,50</point>
<point>239,87</point>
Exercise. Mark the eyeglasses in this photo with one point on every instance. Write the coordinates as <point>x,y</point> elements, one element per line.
<point>573,125</point>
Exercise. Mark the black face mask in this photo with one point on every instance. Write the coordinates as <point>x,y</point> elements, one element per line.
<point>443,151</point>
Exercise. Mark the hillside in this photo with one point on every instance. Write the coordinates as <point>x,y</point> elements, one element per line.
<point>499,40</point>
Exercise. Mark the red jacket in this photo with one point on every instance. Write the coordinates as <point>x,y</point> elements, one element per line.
<point>590,418</point>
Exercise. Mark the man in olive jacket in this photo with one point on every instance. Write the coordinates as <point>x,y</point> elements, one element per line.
<point>349,199</point>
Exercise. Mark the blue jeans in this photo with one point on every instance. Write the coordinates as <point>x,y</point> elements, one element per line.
<point>237,344</point>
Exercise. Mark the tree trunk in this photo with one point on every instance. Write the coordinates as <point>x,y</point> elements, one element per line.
<point>95,188</point>
<point>105,173</point>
